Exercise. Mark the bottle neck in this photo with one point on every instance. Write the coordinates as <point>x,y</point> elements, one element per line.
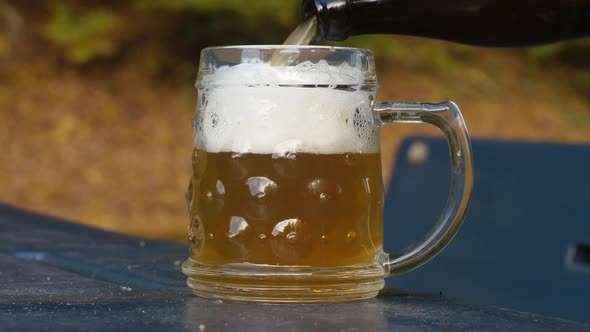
<point>340,19</point>
<point>333,17</point>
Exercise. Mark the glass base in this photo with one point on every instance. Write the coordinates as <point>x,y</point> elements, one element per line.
<point>283,284</point>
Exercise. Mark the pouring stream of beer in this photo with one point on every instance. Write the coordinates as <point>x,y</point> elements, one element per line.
<point>302,35</point>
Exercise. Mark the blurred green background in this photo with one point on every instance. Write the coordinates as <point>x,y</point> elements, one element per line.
<point>96,98</point>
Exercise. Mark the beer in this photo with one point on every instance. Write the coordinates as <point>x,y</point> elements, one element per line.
<point>285,173</point>
<point>306,209</point>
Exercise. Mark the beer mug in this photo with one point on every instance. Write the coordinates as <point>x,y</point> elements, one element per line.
<point>286,195</point>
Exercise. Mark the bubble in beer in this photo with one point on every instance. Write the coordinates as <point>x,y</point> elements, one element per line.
<point>220,188</point>
<point>289,224</point>
<point>236,226</point>
<point>264,200</point>
<point>194,158</point>
<point>351,236</point>
<point>199,164</point>
<point>289,242</point>
<point>232,238</point>
<point>259,186</point>
<point>189,195</point>
<point>286,149</point>
<point>292,237</point>
<point>195,236</point>
<point>350,159</point>
<point>284,157</point>
<point>212,193</point>
<point>191,234</point>
<point>234,169</point>
<point>323,190</point>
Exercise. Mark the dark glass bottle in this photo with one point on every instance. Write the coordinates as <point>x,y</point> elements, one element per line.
<point>502,23</point>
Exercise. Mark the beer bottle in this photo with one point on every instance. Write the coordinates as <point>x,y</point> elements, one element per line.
<point>497,23</point>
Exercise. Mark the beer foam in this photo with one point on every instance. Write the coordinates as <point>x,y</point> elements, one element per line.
<point>280,110</point>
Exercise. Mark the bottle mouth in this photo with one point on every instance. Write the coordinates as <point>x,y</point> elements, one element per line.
<point>333,17</point>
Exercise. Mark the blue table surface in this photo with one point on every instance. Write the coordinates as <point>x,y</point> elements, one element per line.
<point>59,276</point>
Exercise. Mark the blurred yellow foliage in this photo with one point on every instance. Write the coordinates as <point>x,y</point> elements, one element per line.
<point>4,45</point>
<point>284,12</point>
<point>84,36</point>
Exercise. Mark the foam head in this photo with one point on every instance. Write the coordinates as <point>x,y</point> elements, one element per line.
<point>310,108</point>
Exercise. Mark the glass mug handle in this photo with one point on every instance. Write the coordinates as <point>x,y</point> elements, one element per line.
<point>447,117</point>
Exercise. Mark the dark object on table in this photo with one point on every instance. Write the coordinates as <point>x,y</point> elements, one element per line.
<point>525,243</point>
<point>57,276</point>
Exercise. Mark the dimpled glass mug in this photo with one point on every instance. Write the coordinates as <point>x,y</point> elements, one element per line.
<point>286,196</point>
